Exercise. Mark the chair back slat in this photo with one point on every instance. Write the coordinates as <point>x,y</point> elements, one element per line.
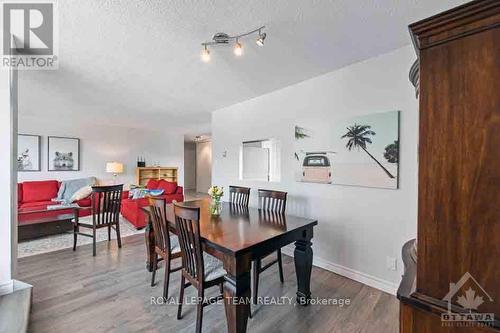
<point>239,195</point>
<point>241,210</point>
<point>274,201</point>
<point>106,204</point>
<point>160,224</point>
<point>187,221</point>
<point>274,218</point>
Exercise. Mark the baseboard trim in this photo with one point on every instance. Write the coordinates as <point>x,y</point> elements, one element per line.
<point>350,273</point>
<point>6,287</point>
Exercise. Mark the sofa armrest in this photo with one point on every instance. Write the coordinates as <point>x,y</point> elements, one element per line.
<point>125,194</point>
<point>180,190</point>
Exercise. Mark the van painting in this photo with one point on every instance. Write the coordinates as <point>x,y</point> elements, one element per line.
<point>316,168</point>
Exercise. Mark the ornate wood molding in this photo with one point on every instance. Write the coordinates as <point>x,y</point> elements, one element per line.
<point>458,22</point>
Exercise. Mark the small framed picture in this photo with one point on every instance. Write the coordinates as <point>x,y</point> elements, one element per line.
<point>63,154</point>
<point>28,152</point>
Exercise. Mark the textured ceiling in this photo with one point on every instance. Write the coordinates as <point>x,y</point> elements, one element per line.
<point>136,63</point>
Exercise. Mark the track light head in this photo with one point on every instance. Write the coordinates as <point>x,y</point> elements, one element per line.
<point>238,49</point>
<point>260,40</point>
<point>205,55</point>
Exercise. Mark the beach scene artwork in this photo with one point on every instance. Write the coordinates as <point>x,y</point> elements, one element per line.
<point>356,151</point>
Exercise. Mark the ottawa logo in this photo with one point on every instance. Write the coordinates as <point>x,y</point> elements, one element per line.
<point>469,295</point>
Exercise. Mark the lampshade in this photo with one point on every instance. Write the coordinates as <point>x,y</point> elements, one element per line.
<point>114,167</point>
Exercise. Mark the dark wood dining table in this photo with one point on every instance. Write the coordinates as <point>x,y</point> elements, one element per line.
<point>236,237</point>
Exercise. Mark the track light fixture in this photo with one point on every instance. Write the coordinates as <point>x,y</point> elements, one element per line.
<point>222,38</point>
<point>205,55</point>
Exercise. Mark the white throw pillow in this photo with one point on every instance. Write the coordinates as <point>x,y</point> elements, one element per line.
<point>81,193</point>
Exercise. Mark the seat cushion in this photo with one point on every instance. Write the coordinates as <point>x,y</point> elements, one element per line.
<point>168,187</point>
<point>35,204</point>
<point>40,190</point>
<point>213,267</point>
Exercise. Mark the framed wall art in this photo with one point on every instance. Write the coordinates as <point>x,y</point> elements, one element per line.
<point>28,152</point>
<point>63,154</point>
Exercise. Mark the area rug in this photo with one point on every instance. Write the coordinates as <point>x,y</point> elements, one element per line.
<point>63,241</point>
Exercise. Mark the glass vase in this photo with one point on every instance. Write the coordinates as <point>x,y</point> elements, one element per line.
<point>215,207</point>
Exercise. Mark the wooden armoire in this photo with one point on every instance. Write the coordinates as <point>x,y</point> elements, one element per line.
<point>452,273</point>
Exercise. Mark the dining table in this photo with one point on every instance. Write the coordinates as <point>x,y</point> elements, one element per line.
<point>238,236</point>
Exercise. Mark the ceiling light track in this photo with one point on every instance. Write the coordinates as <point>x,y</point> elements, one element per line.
<point>222,38</point>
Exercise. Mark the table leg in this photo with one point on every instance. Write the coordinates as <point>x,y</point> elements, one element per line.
<point>303,256</point>
<point>237,296</point>
<point>150,244</point>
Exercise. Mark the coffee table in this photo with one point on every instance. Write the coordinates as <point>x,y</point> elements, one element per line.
<point>35,222</point>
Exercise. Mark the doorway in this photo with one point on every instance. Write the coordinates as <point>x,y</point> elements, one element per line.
<point>197,166</point>
<point>203,166</point>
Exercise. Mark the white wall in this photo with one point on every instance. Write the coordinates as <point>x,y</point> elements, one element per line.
<point>102,143</point>
<point>190,165</point>
<point>203,166</point>
<point>358,227</point>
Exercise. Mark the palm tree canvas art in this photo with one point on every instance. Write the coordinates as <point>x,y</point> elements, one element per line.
<point>357,151</point>
<point>359,136</point>
<point>368,150</point>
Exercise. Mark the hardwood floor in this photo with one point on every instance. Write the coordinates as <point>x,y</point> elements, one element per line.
<point>75,292</point>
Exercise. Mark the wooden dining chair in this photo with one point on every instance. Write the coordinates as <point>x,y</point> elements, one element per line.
<point>239,195</point>
<point>166,247</point>
<point>200,269</point>
<point>106,204</point>
<point>269,201</point>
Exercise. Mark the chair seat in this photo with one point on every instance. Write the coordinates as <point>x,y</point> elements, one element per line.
<point>214,268</point>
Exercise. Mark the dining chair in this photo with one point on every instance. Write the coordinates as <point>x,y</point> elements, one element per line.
<point>200,269</point>
<point>275,202</point>
<point>239,195</point>
<point>105,208</point>
<point>166,246</point>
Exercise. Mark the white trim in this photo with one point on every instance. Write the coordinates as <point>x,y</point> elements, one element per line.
<point>350,273</point>
<point>6,287</point>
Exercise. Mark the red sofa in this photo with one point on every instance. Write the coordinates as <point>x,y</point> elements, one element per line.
<point>131,208</point>
<point>38,195</point>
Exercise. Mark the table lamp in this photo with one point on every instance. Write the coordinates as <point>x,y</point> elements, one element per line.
<point>115,168</point>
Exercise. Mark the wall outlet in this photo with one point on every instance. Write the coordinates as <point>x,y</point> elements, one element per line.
<point>391,263</point>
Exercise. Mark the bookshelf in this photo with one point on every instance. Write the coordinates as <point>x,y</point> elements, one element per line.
<point>144,174</point>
